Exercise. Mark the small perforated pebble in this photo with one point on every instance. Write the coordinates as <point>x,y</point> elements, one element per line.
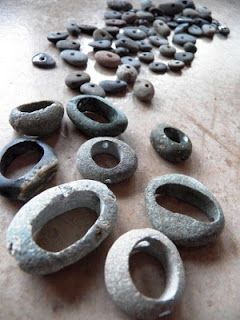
<point>107,59</point>
<point>195,30</point>
<point>143,90</point>
<point>115,22</point>
<point>43,60</point>
<point>100,34</point>
<point>167,51</point>
<point>186,57</point>
<point>182,19</point>
<point>170,8</point>
<point>74,57</point>
<point>172,24</point>
<point>144,45</point>
<point>100,44</point>
<point>209,30</point>
<point>176,65</point>
<point>186,3</point>
<point>112,30</point>
<point>121,51</point>
<point>87,28</point>
<point>190,47</point>
<point>54,37</point>
<point>146,57</point>
<point>129,16</point>
<point>127,73</point>
<point>134,33</point>
<point>128,43</point>
<point>68,44</point>
<point>158,67</point>
<point>223,30</point>
<point>113,86</point>
<point>161,28</point>
<point>92,89</point>
<point>73,28</point>
<point>190,13</point>
<point>157,41</point>
<point>131,61</point>
<point>74,80</point>
<point>145,15</point>
<point>119,5</point>
<point>112,14</point>
<point>182,38</point>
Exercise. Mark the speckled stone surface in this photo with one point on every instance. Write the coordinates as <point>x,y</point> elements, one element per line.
<point>74,57</point>
<point>143,89</point>
<point>127,72</point>
<point>91,88</point>
<point>43,60</point>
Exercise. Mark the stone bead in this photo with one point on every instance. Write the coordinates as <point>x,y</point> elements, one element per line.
<point>186,3</point>
<point>121,51</point>
<point>223,30</point>
<point>127,73</point>
<point>158,67</point>
<point>37,118</point>
<point>157,41</point>
<point>75,79</point>
<point>195,30</point>
<point>171,143</point>
<point>181,28</point>
<point>176,65</point>
<point>119,5</point>
<point>134,33</point>
<point>200,22</point>
<point>116,23</point>
<point>186,57</point>
<point>190,47</point>
<point>34,180</point>
<point>182,38</point>
<point>129,16</point>
<point>145,15</point>
<point>190,13</point>
<point>73,28</point>
<point>100,44</point>
<point>143,90</point>
<point>112,30</point>
<point>107,59</point>
<point>131,61</point>
<point>68,45</point>
<point>182,19</point>
<point>50,204</point>
<point>144,45</point>
<point>113,86</point>
<point>130,44</point>
<point>87,28</point>
<point>100,34</point>
<point>155,10</point>
<point>167,51</point>
<point>203,11</point>
<point>74,57</point>
<point>172,24</point>
<point>43,61</point>
<point>161,28</point>
<point>209,30</point>
<point>112,14</point>
<point>90,88</point>
<point>170,8</point>
<point>54,37</point>
<point>116,120</point>
<point>146,57</point>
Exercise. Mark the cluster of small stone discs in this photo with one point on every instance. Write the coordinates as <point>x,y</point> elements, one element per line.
<point>127,40</point>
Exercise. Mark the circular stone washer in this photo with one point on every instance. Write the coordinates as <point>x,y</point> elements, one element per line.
<point>74,57</point>
<point>43,61</point>
<point>77,106</point>
<point>92,89</point>
<point>33,181</point>
<point>104,145</point>
<point>176,65</point>
<point>68,45</point>
<point>54,37</point>
<point>119,281</point>
<point>107,59</point>
<point>74,80</point>
<point>127,72</point>
<point>134,33</point>
<point>37,118</point>
<point>185,57</point>
<point>167,51</point>
<point>50,204</point>
<point>146,57</point>
<point>183,229</point>
<point>158,67</point>
<point>171,143</point>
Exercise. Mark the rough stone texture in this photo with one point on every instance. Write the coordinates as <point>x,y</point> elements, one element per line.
<point>119,5</point>
<point>182,38</point>
<point>143,90</point>
<point>127,73</point>
<point>161,28</point>
<point>55,36</point>
<point>119,282</point>
<point>100,44</point>
<point>144,45</point>
<point>37,118</point>
<point>186,57</point>
<point>146,57</point>
<point>43,60</point>
<point>181,28</point>
<point>33,181</point>
<point>121,51</point>
<point>128,43</point>
<point>170,8</point>
<point>50,204</point>
<point>68,45</point>
<point>107,59</point>
<point>115,23</point>
<point>74,80</point>
<point>158,67</point>
<point>94,89</point>
<point>134,33</point>
<point>74,57</point>
<point>190,47</point>
<point>112,30</point>
<point>100,34</point>
<point>89,169</point>
<point>157,41</point>
<point>171,143</point>
<point>113,86</point>
<point>129,17</point>
<point>167,51</point>
<point>209,30</point>
<point>112,14</point>
<point>183,229</point>
<point>195,30</point>
<point>73,27</point>
<point>87,28</point>
<point>186,3</point>
<point>117,121</point>
<point>128,60</point>
<point>176,65</point>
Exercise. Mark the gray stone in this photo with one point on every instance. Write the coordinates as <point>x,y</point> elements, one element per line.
<point>190,13</point>
<point>113,86</point>
<point>74,57</point>
<point>115,23</point>
<point>157,41</point>
<point>43,61</point>
<point>107,59</point>
<point>49,204</point>
<point>186,57</point>
<point>112,30</point>
<point>190,47</point>
<point>131,61</point>
<point>68,45</point>
<point>134,33</point>
<point>116,120</point>
<point>181,28</point>
<point>129,16</point>
<point>112,14</point>
<point>171,8</point>
<point>223,30</point>
<point>118,278</point>
<point>90,88</point>
<point>182,19</point>
<point>146,57</point>
<point>89,169</point>
<point>209,30</point>
<point>143,90</point>
<point>186,3</point>
<point>203,11</point>
<point>195,30</point>
<point>119,5</point>
<point>172,24</point>
<point>130,44</point>
<point>167,51</point>
<point>161,28</point>
<point>56,36</point>
<point>171,143</point>
<point>74,80</point>
<point>176,65</point>
<point>37,118</point>
<point>100,34</point>
<point>158,67</point>
<point>183,229</point>
<point>87,28</point>
<point>121,51</point>
<point>127,72</point>
<point>33,181</point>
<point>73,28</point>
<point>100,44</point>
<point>144,45</point>
<point>145,15</point>
<point>182,38</point>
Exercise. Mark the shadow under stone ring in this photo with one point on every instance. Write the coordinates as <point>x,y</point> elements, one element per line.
<point>119,282</point>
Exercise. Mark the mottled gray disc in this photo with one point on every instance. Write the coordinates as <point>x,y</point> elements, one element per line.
<point>43,60</point>
<point>74,57</point>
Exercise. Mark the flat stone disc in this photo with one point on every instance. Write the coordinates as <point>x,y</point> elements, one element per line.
<point>43,60</point>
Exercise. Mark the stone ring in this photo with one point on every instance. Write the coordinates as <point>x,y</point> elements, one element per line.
<point>50,204</point>
<point>28,185</point>
<point>119,282</point>
<point>106,145</point>
<point>182,229</point>
<point>78,106</point>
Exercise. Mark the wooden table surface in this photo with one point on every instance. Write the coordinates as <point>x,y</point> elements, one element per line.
<point>204,101</point>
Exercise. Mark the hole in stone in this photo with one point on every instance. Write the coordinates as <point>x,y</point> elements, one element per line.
<point>100,42</point>
<point>42,58</point>
<point>109,55</point>
<point>173,5</point>
<point>130,59</point>
<point>92,85</point>
<point>134,31</point>
<point>96,117</point>
<point>182,37</point>
<point>184,55</point>
<point>177,62</point>
<point>72,53</point>
<point>74,42</point>
<point>146,85</point>
<point>58,33</point>
<point>79,75</point>
<point>65,229</point>
<point>123,40</point>
<point>173,134</point>
<point>105,154</point>
<point>73,24</point>
<point>167,197</point>
<point>31,107</point>
<point>128,67</point>
<point>184,2</point>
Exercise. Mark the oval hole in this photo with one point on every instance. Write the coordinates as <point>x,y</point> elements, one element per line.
<point>105,160</point>
<point>65,229</point>
<point>96,117</point>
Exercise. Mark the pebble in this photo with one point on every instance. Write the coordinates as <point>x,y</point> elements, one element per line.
<point>170,8</point>
<point>92,89</point>
<point>107,59</point>
<point>115,22</point>
<point>112,30</point>
<point>112,14</point>
<point>146,57</point>
<point>127,73</point>
<point>186,57</point>
<point>203,11</point>
<point>130,44</point>
<point>121,51</point>
<point>200,21</point>
<point>144,45</point>
<point>181,28</point>
<point>190,47</point>
<point>113,86</point>
<point>186,3</point>
<point>100,34</point>
<point>182,38</point>
<point>161,28</point>
<point>195,30</point>
<point>100,44</point>
<point>87,28</point>
<point>119,5</point>
<point>167,51</point>
<point>54,37</point>
<point>135,33</point>
<point>74,80</point>
<point>43,60</point>
<point>157,41</point>
<point>223,30</point>
<point>176,65</point>
<point>131,61</point>
<point>74,57</point>
<point>181,19</point>
<point>73,28</point>
<point>190,13</point>
<point>158,67</point>
<point>172,24</point>
<point>68,44</point>
<point>209,30</point>
<point>129,16</point>
<point>143,90</point>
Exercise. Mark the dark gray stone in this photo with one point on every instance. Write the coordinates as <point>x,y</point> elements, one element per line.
<point>171,8</point>
<point>68,45</point>
<point>203,11</point>
<point>113,86</point>
<point>43,61</point>
<point>158,67</point>
<point>181,28</point>
<point>186,57</point>
<point>161,28</point>
<point>74,80</point>
<point>183,229</point>
<point>127,72</point>
<point>158,41</point>
<point>146,57</point>
<point>112,14</point>
<point>100,34</point>
<point>143,90</point>
<point>190,47</point>
<point>73,28</point>
<point>115,23</point>
<point>144,45</point>
<point>145,15</point>
<point>176,65</point>
<point>223,30</point>
<point>131,61</point>
<point>186,3</point>
<point>119,5</point>
<point>167,51</point>
<point>129,16</point>
<point>121,51</point>
<point>87,28</point>
<point>182,38</point>
<point>130,44</point>
<point>90,88</point>
<point>112,30</point>
<point>56,36</point>
<point>100,44</point>
<point>190,13</point>
<point>172,24</point>
<point>134,33</point>
<point>74,57</point>
<point>209,30</point>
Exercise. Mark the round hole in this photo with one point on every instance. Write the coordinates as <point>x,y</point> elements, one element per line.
<point>130,59</point>
<point>58,33</point>
<point>73,24</point>
<point>182,37</point>
<point>134,31</point>
<point>184,55</point>
<point>100,42</point>
<point>92,85</point>
<point>128,67</point>
<point>109,55</point>
<point>123,40</point>
<point>105,154</point>
<point>79,75</point>
<point>177,62</point>
<point>72,53</point>
<point>184,2</point>
<point>156,64</point>
<point>42,58</point>
<point>146,85</point>
<point>173,5</point>
<point>73,42</point>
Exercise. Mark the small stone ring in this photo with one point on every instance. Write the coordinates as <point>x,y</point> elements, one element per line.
<point>25,187</point>
<point>119,282</point>
<point>105,145</point>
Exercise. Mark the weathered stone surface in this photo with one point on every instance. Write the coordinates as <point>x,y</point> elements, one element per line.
<point>87,28</point>
<point>100,34</point>
<point>158,67</point>
<point>157,41</point>
<point>43,60</point>
<point>50,204</point>
<point>182,38</point>
<point>56,36</point>
<point>121,51</point>
<point>107,59</point>
<point>170,8</point>
<point>161,28</point>
<point>68,45</point>
<point>112,14</point>
<point>131,61</point>
<point>183,229</point>
<point>209,30</point>
<point>100,44</point>
<point>134,33</point>
<point>74,80</point>
<point>144,45</point>
<point>115,22</point>
<point>143,90</point>
<point>167,51</point>
<point>181,28</point>
<point>190,47</point>
<point>119,5</point>
<point>90,88</point>
<point>119,281</point>
<point>73,28</point>
<point>195,30</point>
<point>186,3</point>
<point>186,57</point>
<point>128,43</point>
<point>127,72</point>
<point>113,86</point>
<point>176,65</point>
<point>129,16</point>
<point>74,57</point>
<point>146,57</point>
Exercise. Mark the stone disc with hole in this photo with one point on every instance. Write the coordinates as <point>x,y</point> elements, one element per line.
<point>74,57</point>
<point>113,86</point>
<point>120,150</point>
<point>146,57</point>
<point>184,56</point>
<point>158,67</point>
<point>68,45</point>
<point>182,38</point>
<point>143,90</point>
<point>180,228</point>
<point>43,60</point>
<point>74,80</point>
<point>127,72</point>
<point>92,89</point>
<point>167,51</point>
<point>119,281</point>
<point>50,204</point>
<point>107,59</point>
<point>54,37</point>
